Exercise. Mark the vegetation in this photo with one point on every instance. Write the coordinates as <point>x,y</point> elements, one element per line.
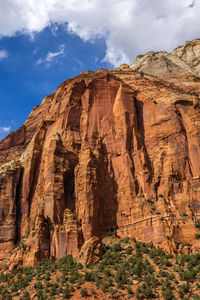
<point>129,269</point>
<point>184,214</point>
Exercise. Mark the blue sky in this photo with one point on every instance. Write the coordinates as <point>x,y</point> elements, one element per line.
<point>35,67</point>
<point>43,42</point>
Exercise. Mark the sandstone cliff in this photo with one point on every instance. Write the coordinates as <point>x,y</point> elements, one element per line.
<point>112,151</point>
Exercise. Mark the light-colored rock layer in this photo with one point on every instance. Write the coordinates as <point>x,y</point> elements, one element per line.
<point>181,65</point>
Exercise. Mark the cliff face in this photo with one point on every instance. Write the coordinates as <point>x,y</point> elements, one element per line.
<point>110,151</point>
<point>181,65</point>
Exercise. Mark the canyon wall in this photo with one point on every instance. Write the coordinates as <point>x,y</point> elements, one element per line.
<point>111,152</point>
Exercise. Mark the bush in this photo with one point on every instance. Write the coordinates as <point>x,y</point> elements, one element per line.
<point>129,290</point>
<point>54,290</point>
<point>167,294</point>
<point>38,285</point>
<point>83,292</point>
<point>129,250</point>
<point>184,214</point>
<point>125,240</point>
<point>165,261</point>
<point>120,275</point>
<point>197,236</point>
<point>66,293</point>
<point>163,273</point>
<point>90,276</point>
<point>187,275</point>
<point>141,74</point>
<point>106,272</point>
<point>197,224</point>
<point>104,286</point>
<point>144,291</point>
<point>183,289</point>
<point>117,247</point>
<point>26,295</point>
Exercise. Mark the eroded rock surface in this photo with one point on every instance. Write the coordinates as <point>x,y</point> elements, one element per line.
<point>109,151</point>
<point>181,65</point>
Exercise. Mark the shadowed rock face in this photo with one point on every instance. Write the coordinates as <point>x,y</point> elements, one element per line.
<point>110,150</point>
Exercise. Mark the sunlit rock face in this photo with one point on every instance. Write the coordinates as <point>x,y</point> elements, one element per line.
<point>182,65</point>
<point>112,151</point>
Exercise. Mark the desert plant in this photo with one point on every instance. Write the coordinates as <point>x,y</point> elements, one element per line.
<point>197,236</point>
<point>168,294</point>
<point>83,292</point>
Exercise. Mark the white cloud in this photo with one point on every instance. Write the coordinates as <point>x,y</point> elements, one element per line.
<point>3,54</point>
<point>129,27</point>
<point>5,129</point>
<point>51,56</point>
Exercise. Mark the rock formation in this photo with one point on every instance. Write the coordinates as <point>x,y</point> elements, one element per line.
<point>112,151</point>
<point>181,65</point>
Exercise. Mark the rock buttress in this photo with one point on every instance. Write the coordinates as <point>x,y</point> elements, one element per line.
<point>113,152</point>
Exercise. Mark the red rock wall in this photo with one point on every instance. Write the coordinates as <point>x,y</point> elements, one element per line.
<point>108,151</point>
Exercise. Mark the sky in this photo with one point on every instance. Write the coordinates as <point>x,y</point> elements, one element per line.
<point>44,42</point>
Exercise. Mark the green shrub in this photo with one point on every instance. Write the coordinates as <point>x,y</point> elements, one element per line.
<point>47,276</point>
<point>168,294</point>
<point>106,272</point>
<point>66,293</point>
<point>144,291</point>
<point>189,276</point>
<point>90,276</point>
<point>165,261</point>
<point>129,290</point>
<point>117,247</point>
<point>197,224</point>
<point>197,236</point>
<point>141,74</point>
<point>184,214</point>
<point>83,292</point>
<point>183,289</point>
<point>41,295</point>
<point>38,285</point>
<point>125,240</point>
<point>129,250</point>
<point>54,290</point>
<point>104,286</point>
<point>163,273</point>
<point>120,275</point>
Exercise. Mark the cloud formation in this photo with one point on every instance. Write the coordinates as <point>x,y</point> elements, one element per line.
<point>51,56</point>
<point>3,54</point>
<point>5,129</point>
<point>129,27</point>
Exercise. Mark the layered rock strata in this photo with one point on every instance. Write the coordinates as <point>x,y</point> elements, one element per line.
<point>181,65</point>
<point>112,151</point>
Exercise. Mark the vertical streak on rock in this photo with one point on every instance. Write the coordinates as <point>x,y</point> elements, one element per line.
<point>35,166</point>
<point>18,207</point>
<point>144,158</point>
<point>31,175</point>
<point>125,120</point>
<point>192,139</point>
<point>8,194</point>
